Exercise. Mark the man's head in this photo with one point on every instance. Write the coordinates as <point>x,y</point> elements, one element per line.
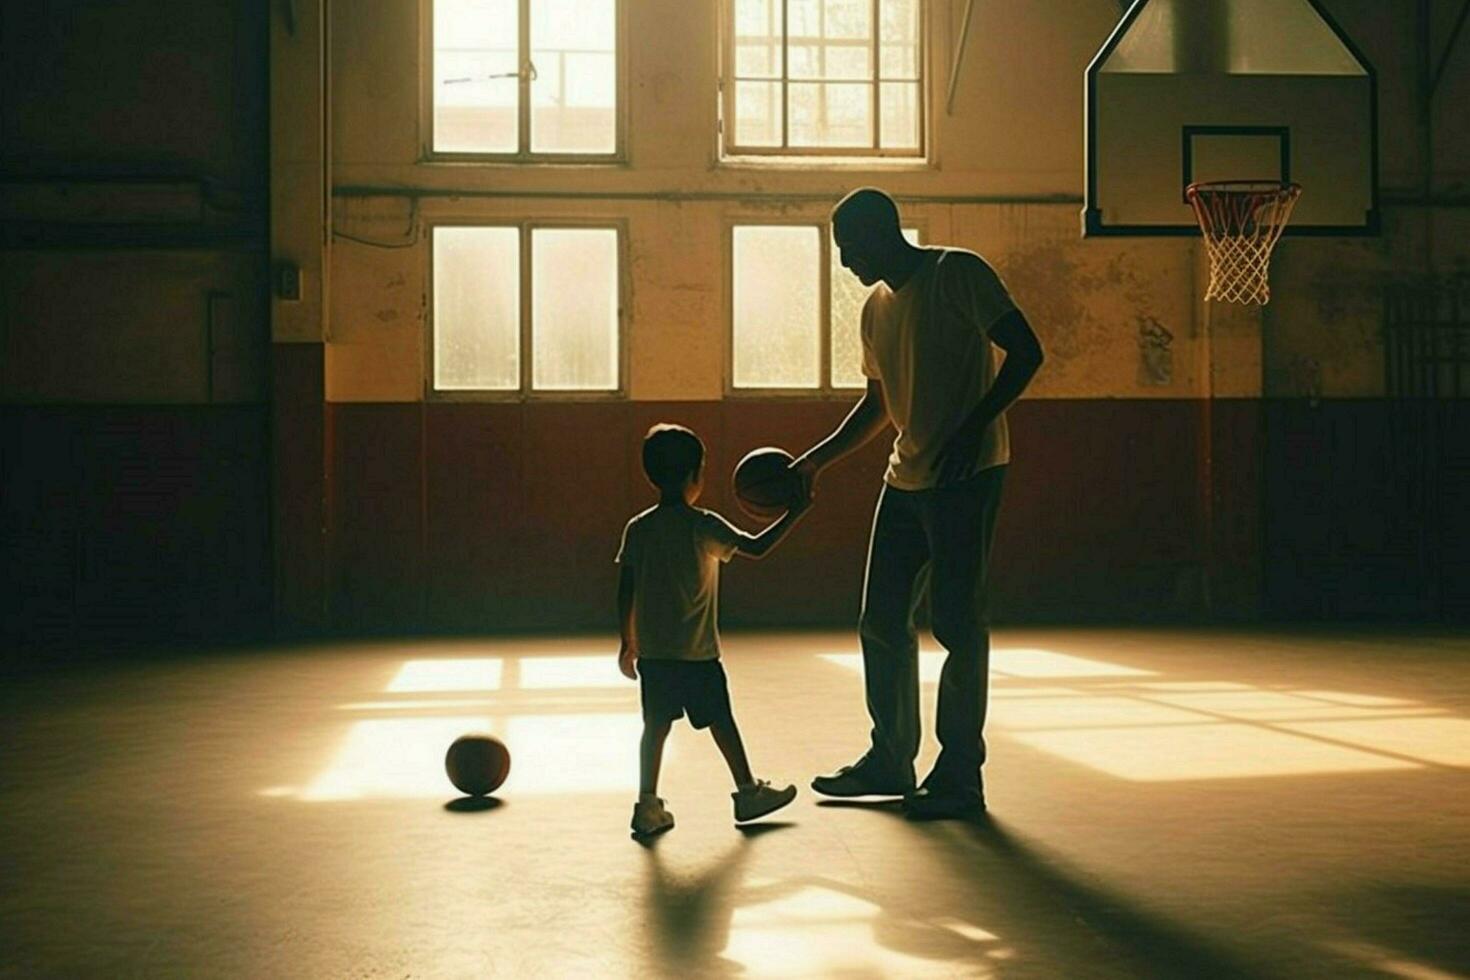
<point>673,459</point>
<point>868,237</point>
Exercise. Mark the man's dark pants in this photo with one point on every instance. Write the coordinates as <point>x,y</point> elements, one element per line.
<point>940,538</point>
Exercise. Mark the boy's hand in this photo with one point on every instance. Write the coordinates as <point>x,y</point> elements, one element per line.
<point>628,662</point>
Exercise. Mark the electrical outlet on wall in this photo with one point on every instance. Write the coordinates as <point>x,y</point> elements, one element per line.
<point>288,282</point>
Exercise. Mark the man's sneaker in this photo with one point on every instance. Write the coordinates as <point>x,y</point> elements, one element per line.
<point>650,817</point>
<point>925,803</point>
<point>759,799</point>
<point>862,778</point>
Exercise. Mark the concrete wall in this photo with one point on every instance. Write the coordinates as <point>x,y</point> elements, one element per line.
<point>1172,460</point>
<point>1191,401</point>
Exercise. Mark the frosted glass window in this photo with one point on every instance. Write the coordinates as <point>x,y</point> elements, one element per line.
<point>477,303</point>
<point>825,75</point>
<point>574,309</point>
<point>574,93</point>
<point>777,307</point>
<point>476,89</point>
<point>848,296</point>
<point>566,81</point>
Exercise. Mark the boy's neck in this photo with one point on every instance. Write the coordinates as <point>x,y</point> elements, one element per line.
<point>672,499</point>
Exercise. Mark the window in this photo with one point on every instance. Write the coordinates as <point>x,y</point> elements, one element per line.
<point>795,311</point>
<point>525,79</point>
<point>834,77</point>
<point>526,308</point>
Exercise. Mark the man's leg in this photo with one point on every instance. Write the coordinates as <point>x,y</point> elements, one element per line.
<point>898,555</point>
<point>961,523</point>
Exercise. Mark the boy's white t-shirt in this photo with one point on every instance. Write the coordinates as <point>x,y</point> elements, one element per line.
<point>675,553</point>
<point>928,342</point>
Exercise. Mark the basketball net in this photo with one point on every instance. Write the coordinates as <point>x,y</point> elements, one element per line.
<point>1241,221</point>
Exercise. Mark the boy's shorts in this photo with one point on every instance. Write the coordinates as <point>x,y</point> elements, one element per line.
<point>672,688</point>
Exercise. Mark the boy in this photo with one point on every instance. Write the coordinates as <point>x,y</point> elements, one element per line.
<point>668,608</point>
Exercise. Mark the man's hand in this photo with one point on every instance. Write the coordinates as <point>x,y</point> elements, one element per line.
<point>805,471</point>
<point>958,458</point>
<point>628,662</point>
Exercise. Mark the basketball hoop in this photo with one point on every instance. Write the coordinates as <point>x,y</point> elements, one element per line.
<point>1242,221</point>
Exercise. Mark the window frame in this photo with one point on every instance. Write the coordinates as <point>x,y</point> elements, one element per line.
<point>525,392</point>
<point>825,390</point>
<point>729,150</point>
<point>523,154</point>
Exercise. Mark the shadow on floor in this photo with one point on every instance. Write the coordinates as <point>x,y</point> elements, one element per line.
<point>976,898</point>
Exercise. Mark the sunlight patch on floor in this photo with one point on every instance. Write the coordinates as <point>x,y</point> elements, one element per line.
<point>1034,663</point>
<point>819,931</point>
<point>457,674</point>
<point>1441,740</point>
<point>393,757</point>
<point>574,672</point>
<point>1207,751</point>
<point>1031,663</point>
<point>404,757</point>
<point>1157,729</point>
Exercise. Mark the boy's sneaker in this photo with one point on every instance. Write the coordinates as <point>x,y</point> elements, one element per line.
<point>759,799</point>
<point>650,817</point>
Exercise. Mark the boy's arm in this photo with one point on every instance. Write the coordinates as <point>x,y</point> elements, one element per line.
<point>757,545</point>
<point>867,418</point>
<point>628,653</point>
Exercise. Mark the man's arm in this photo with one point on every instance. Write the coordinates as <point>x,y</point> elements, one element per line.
<point>628,653</point>
<point>757,545</point>
<point>867,418</point>
<point>1012,334</point>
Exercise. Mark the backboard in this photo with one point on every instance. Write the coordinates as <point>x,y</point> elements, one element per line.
<point>1249,90</point>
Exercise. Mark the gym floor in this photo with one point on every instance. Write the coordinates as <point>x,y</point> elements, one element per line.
<point>1162,803</point>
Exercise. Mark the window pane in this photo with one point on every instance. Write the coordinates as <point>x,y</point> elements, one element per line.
<point>898,25</point>
<point>900,114</point>
<point>830,39</point>
<point>836,19</point>
<point>758,113</point>
<point>474,75</point>
<point>477,309</point>
<point>757,60</point>
<point>758,19</point>
<point>777,293</point>
<point>574,95</point>
<point>574,309</point>
<point>848,297</point>
<point>830,61</point>
<point>758,38</point>
<point>831,114</point>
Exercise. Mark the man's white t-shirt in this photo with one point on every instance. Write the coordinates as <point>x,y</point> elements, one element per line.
<point>675,553</point>
<point>928,342</point>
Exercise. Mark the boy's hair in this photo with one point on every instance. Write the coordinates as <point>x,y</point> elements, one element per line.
<point>671,454</point>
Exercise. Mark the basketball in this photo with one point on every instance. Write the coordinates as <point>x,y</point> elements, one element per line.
<point>477,764</point>
<point>764,486</point>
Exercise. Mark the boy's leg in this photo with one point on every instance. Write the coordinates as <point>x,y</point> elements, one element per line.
<point>962,525</point>
<point>753,799</point>
<point>727,737</point>
<point>651,756</point>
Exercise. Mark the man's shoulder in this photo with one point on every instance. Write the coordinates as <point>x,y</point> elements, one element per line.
<point>961,261</point>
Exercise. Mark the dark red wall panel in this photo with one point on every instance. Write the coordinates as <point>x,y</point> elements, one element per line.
<point>507,515</point>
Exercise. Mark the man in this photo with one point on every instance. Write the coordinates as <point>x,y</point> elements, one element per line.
<point>929,334</point>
